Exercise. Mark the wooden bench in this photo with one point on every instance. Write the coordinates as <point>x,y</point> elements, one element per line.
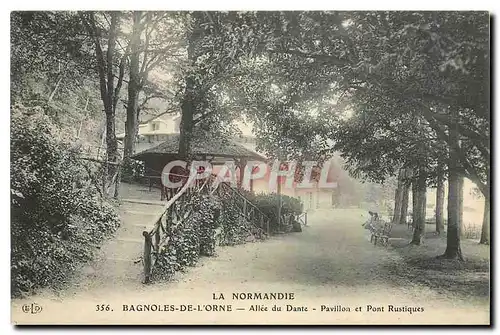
<point>381,232</point>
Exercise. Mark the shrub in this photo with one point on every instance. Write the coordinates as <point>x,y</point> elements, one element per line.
<point>196,236</point>
<point>132,171</point>
<point>268,204</point>
<point>232,224</point>
<point>191,238</point>
<point>56,217</point>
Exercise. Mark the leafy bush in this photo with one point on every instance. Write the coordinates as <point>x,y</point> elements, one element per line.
<point>268,204</point>
<point>132,170</point>
<point>192,238</point>
<point>56,217</point>
<point>232,224</point>
<point>196,236</point>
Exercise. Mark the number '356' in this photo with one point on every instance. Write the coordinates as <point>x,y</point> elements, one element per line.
<point>102,308</point>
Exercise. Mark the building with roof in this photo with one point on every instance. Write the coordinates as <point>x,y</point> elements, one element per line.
<point>158,140</point>
<point>154,130</point>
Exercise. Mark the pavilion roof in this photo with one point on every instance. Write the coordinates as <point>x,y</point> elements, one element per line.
<point>201,147</point>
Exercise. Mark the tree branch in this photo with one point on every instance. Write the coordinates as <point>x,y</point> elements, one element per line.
<point>120,79</point>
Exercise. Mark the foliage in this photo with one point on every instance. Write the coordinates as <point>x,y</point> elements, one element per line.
<point>283,114</point>
<point>193,237</point>
<point>46,46</point>
<point>389,79</point>
<point>391,84</point>
<point>216,44</point>
<point>51,67</point>
<point>132,170</point>
<point>153,41</point>
<point>232,224</point>
<point>269,203</point>
<point>379,88</point>
<point>57,217</point>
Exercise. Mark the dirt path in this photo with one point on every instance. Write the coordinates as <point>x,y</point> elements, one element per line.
<point>330,263</point>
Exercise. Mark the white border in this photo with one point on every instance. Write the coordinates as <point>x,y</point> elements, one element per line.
<point>183,5</point>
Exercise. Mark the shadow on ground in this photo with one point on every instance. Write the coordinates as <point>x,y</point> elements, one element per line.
<point>332,251</point>
<point>421,265</point>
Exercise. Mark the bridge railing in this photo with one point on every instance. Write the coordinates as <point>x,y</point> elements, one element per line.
<point>166,223</point>
<point>247,209</point>
<point>177,211</point>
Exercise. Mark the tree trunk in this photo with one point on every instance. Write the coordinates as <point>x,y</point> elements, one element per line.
<point>130,126</point>
<point>109,106</point>
<point>414,200</point>
<point>419,216</point>
<point>83,118</point>
<point>485,230</point>
<point>186,126</point>
<point>278,189</point>
<point>134,87</point>
<point>188,106</point>
<point>111,145</point>
<point>455,194</point>
<point>404,203</point>
<point>109,94</point>
<point>116,195</point>
<point>137,122</point>
<point>440,205</point>
<point>55,88</point>
<point>398,198</point>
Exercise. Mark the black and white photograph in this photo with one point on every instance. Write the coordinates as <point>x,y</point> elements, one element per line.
<point>250,167</point>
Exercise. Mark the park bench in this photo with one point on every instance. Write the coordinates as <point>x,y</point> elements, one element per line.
<point>381,232</point>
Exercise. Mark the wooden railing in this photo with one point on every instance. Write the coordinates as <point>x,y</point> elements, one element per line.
<point>247,209</point>
<point>168,221</point>
<point>176,212</point>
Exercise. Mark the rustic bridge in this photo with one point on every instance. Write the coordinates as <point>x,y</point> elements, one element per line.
<point>177,211</point>
<point>148,224</point>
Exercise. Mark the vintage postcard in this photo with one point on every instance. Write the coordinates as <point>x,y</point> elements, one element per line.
<point>250,167</point>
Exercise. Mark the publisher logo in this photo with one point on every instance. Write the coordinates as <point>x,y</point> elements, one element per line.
<point>32,308</point>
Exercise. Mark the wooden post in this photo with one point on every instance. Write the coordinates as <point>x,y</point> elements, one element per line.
<point>240,164</point>
<point>245,208</point>
<point>157,236</point>
<point>147,257</point>
<point>117,182</point>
